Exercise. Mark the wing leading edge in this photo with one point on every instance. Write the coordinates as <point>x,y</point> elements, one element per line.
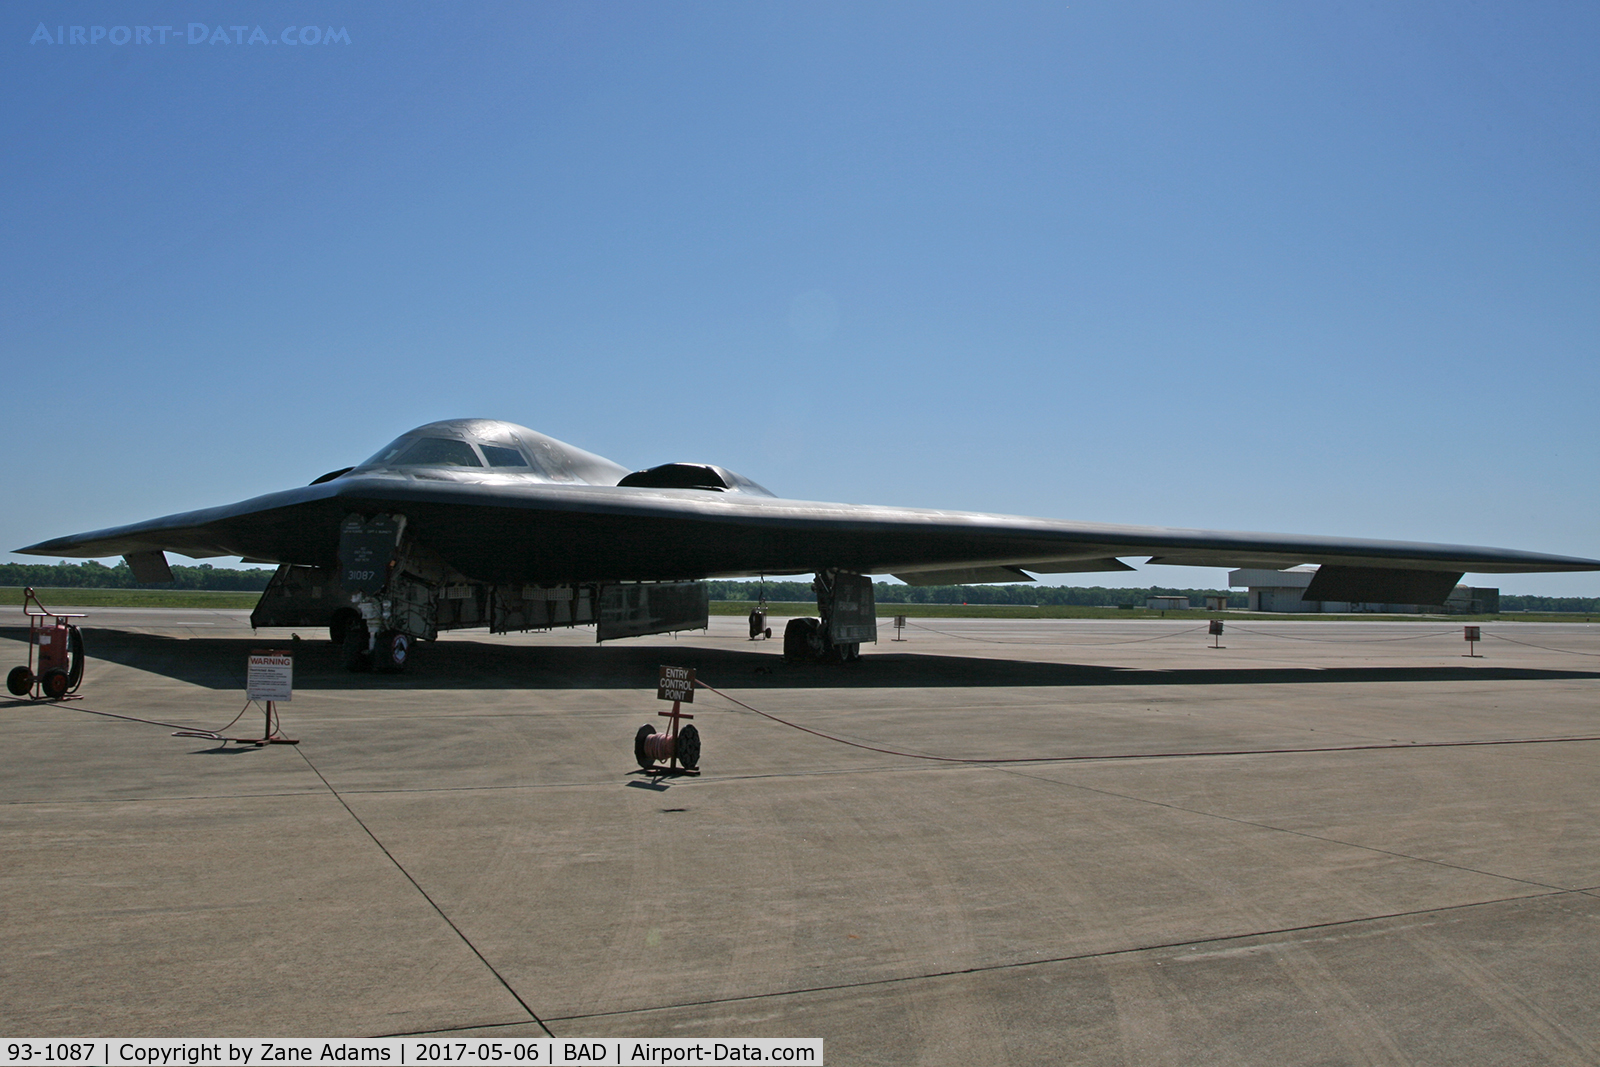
<point>499,503</point>
<point>535,531</point>
<point>472,523</point>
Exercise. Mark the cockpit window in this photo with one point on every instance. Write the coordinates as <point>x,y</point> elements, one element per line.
<point>437,452</point>
<point>500,456</point>
<point>385,455</point>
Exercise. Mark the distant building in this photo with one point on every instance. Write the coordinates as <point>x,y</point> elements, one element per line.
<point>1277,590</point>
<point>1167,603</point>
<point>1285,591</point>
<point>1469,600</point>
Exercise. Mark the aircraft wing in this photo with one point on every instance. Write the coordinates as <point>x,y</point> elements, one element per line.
<point>510,531</point>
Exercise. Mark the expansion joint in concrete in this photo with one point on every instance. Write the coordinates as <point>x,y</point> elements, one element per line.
<point>465,940</point>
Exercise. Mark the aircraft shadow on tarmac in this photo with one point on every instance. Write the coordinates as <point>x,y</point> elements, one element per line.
<point>219,663</point>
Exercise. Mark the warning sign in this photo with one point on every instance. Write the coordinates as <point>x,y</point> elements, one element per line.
<point>271,676</point>
<point>676,683</point>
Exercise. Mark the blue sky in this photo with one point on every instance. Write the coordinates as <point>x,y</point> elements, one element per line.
<point>1316,268</point>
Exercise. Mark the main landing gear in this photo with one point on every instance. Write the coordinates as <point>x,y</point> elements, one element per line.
<point>849,618</point>
<point>806,641</point>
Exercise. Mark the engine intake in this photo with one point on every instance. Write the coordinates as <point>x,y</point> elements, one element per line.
<point>706,476</point>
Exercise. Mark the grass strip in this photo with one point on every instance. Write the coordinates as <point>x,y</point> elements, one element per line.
<point>65,599</point>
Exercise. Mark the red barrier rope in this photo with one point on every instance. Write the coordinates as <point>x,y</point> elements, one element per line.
<point>214,735</point>
<point>1141,755</point>
<point>1547,648</point>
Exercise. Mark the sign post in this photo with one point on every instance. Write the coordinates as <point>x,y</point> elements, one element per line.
<point>675,746</point>
<point>677,685</point>
<point>270,678</point>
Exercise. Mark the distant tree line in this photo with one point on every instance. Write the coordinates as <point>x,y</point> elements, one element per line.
<point>1578,604</point>
<point>92,574</point>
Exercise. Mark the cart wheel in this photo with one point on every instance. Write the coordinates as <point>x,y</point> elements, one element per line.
<point>645,731</point>
<point>75,659</point>
<point>55,683</point>
<point>19,681</point>
<point>689,747</point>
<point>390,653</point>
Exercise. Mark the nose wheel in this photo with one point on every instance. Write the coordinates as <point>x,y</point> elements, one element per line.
<point>391,652</point>
<point>356,657</point>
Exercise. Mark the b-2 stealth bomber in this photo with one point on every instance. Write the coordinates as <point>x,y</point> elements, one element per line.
<point>480,523</point>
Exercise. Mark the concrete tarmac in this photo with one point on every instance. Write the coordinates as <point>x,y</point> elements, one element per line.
<point>1323,843</point>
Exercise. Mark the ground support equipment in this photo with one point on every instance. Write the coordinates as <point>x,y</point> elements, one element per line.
<point>55,654</point>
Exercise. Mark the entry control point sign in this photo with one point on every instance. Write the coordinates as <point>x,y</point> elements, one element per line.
<point>676,683</point>
<point>271,676</point>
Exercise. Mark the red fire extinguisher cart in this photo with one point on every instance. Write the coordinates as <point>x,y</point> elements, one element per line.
<point>55,654</point>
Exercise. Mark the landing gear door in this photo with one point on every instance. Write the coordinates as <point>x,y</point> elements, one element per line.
<point>853,618</point>
<point>365,550</point>
<point>635,609</point>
